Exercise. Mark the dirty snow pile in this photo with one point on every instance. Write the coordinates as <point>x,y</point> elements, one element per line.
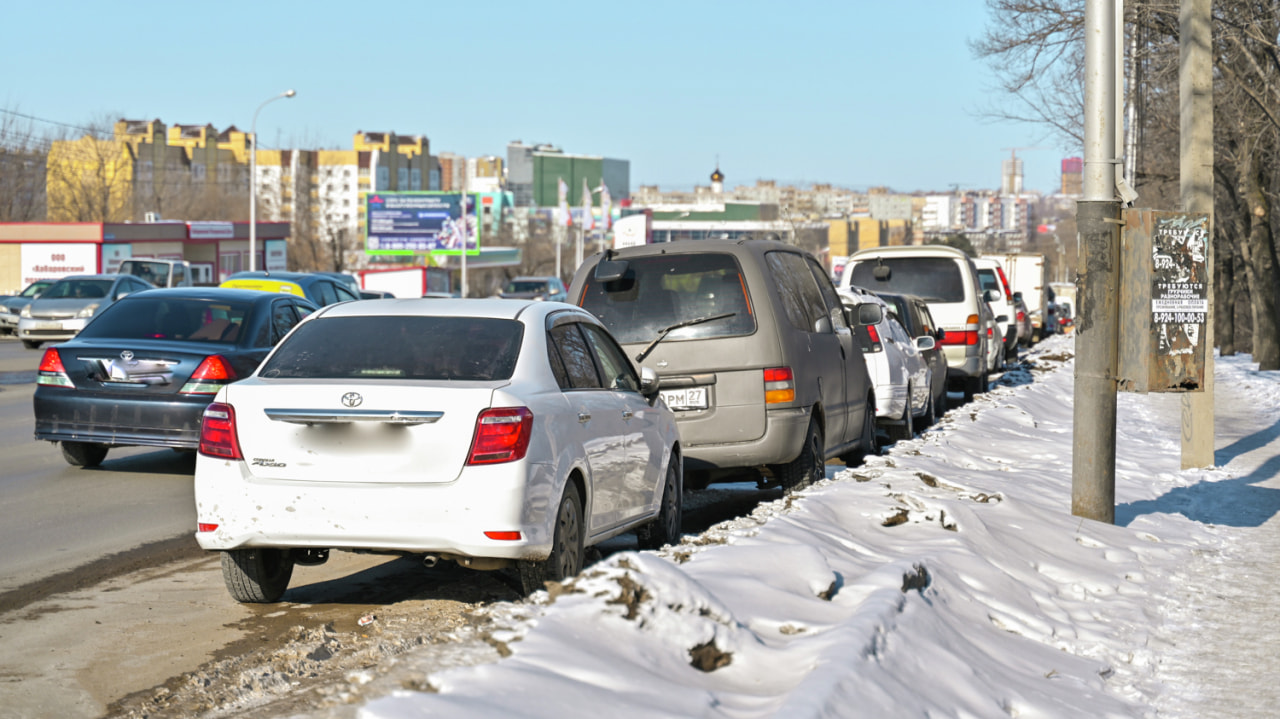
<point>945,578</point>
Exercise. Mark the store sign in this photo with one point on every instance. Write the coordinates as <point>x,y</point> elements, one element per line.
<point>113,255</point>
<point>211,230</point>
<point>50,261</point>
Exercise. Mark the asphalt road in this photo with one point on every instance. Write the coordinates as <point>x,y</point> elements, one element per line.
<point>55,518</point>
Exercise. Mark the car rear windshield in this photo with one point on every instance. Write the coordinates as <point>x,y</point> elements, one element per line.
<point>527,286</point>
<point>663,290</point>
<point>934,278</point>
<point>398,347</point>
<point>987,280</point>
<point>69,289</point>
<point>170,318</point>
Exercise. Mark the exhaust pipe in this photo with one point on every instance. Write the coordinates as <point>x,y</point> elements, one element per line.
<point>430,560</point>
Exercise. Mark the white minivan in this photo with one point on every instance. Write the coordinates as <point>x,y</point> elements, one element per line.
<point>948,281</point>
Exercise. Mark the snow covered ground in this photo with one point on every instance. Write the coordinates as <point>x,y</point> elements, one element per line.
<point>945,578</point>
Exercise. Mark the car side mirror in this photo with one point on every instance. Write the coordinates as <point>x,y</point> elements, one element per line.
<point>822,325</point>
<point>870,314</point>
<point>925,343</point>
<point>649,382</point>
<point>991,295</point>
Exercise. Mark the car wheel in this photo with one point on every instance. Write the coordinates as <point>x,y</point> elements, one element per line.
<point>930,413</point>
<point>258,575</point>
<point>565,560</point>
<point>905,429</point>
<point>32,344</point>
<point>867,446</point>
<point>940,404</point>
<point>666,527</point>
<point>806,468</point>
<point>83,454</point>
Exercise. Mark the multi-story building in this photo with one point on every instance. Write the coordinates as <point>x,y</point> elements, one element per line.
<point>1073,176</point>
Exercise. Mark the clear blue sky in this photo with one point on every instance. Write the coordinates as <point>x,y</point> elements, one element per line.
<point>852,92</point>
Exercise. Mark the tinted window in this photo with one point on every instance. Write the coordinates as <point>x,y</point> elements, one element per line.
<point>399,348</point>
<point>987,280</point>
<point>323,294</point>
<point>835,308</point>
<point>170,318</point>
<point>89,289</point>
<point>663,290</point>
<point>342,294</point>
<point>528,286</point>
<point>933,278</point>
<point>283,318</point>
<point>797,288</point>
<point>618,373</point>
<point>576,356</point>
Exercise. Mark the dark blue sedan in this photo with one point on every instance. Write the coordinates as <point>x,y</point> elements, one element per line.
<point>142,372</point>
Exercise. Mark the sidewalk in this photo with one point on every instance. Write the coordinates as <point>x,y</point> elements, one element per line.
<point>1220,624</point>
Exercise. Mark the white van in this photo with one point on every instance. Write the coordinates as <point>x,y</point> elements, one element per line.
<point>948,281</point>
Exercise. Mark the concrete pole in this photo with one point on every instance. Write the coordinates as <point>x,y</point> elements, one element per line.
<point>1093,451</point>
<point>1195,97</point>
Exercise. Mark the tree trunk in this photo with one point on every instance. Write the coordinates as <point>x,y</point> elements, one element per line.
<point>1260,268</point>
<point>1224,291</point>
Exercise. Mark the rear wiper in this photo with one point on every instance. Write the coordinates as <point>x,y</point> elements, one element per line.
<point>666,330</point>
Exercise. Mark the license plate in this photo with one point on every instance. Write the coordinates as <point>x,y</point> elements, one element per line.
<point>686,398</point>
<point>48,325</point>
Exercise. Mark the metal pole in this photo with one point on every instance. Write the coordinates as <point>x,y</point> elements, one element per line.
<point>466,235</point>
<point>253,180</point>
<point>1093,465</point>
<point>1195,93</point>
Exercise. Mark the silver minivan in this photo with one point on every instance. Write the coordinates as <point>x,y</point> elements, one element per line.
<point>753,348</point>
<point>948,281</point>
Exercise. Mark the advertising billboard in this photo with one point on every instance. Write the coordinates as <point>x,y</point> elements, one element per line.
<point>410,223</point>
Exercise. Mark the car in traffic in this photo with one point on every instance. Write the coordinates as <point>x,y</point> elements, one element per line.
<point>319,287</point>
<point>995,287</point>
<point>902,378</point>
<point>550,289</point>
<point>1022,316</point>
<point>142,372</point>
<point>948,281</point>
<point>913,312</point>
<point>11,305</point>
<point>754,348</point>
<point>66,306</point>
<point>487,432</point>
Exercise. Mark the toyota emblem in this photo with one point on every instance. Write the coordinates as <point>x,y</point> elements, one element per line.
<point>127,356</point>
<point>352,399</point>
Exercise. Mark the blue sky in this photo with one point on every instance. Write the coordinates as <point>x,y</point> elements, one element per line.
<point>856,93</point>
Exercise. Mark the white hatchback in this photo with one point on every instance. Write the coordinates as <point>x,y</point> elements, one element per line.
<point>901,375</point>
<point>492,433</point>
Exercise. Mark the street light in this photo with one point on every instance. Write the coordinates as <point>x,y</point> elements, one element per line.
<point>253,180</point>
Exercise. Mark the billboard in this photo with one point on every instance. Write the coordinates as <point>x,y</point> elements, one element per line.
<point>409,223</point>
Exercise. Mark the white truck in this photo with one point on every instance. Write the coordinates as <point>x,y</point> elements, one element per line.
<point>161,273</point>
<point>1028,276</point>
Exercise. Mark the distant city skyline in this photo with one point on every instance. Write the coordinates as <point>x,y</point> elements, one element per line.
<point>856,94</point>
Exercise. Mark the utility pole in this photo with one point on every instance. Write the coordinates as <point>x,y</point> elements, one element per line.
<point>1093,452</point>
<point>1195,98</point>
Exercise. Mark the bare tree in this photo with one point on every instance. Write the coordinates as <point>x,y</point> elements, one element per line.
<point>23,153</point>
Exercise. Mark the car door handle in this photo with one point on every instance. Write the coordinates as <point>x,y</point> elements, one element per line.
<point>584,417</point>
<point>627,414</point>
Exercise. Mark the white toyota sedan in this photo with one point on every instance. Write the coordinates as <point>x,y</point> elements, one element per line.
<point>491,433</point>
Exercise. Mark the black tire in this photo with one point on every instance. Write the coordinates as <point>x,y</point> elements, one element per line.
<point>83,454</point>
<point>941,404</point>
<point>867,447</point>
<point>666,527</point>
<point>809,466</point>
<point>906,429</point>
<point>257,575</point>
<point>565,560</point>
<point>32,344</point>
<point>930,413</point>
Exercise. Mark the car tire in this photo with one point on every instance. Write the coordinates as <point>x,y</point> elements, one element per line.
<point>930,413</point>
<point>32,344</point>
<point>565,560</point>
<point>666,527</point>
<point>905,429</point>
<point>258,575</point>
<point>867,447</point>
<point>83,454</point>
<point>808,466</point>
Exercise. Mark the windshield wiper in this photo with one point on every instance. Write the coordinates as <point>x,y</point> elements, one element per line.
<point>666,330</point>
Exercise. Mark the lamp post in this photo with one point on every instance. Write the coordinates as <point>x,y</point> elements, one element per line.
<point>253,180</point>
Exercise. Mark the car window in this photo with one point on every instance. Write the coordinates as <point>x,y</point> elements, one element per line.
<point>342,294</point>
<point>283,318</point>
<point>933,278</point>
<point>798,289</point>
<point>84,289</point>
<point>399,348</point>
<point>575,357</point>
<point>987,280</point>
<point>835,308</point>
<point>174,318</point>
<point>618,372</point>
<point>927,325</point>
<point>303,310</point>
<point>323,293</point>
<point>659,291</point>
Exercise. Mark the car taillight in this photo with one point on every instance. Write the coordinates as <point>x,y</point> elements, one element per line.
<point>52,373</point>
<point>967,336</point>
<point>874,334</point>
<point>218,432</point>
<point>1008,296</point>
<point>214,372</point>
<point>1022,316</point>
<point>779,385</point>
<point>502,435</point>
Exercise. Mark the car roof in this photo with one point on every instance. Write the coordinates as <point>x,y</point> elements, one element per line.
<point>218,293</point>
<point>103,276</point>
<point>441,307</point>
<point>910,250</point>
<point>732,246</point>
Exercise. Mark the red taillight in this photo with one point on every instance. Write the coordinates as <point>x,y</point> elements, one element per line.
<point>213,372</point>
<point>873,333</point>
<point>1022,316</point>
<point>52,373</point>
<point>779,385</point>
<point>218,432</point>
<point>502,435</point>
<point>504,536</point>
<point>1008,296</point>
<point>202,527</point>
<point>961,337</point>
